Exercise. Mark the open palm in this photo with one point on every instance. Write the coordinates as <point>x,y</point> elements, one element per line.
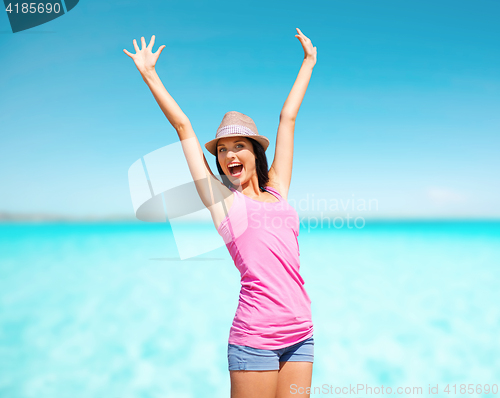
<point>144,58</point>
<point>310,52</point>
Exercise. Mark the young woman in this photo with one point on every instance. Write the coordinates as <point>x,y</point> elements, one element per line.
<point>271,346</point>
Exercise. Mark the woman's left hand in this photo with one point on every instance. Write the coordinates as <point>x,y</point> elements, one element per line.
<point>310,52</point>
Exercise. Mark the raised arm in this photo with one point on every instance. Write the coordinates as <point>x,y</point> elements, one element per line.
<point>280,172</point>
<point>209,188</point>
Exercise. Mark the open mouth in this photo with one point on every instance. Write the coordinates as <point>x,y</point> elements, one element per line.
<point>236,170</point>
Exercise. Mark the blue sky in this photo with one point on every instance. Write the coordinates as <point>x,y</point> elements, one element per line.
<point>402,105</point>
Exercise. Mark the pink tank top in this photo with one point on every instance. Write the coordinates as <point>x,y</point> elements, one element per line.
<point>274,309</point>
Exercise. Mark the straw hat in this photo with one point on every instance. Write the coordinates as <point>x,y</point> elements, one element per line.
<point>236,124</point>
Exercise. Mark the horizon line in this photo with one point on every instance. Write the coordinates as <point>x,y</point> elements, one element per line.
<point>304,217</point>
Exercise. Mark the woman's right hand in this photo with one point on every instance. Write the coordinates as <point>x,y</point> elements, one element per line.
<point>145,59</point>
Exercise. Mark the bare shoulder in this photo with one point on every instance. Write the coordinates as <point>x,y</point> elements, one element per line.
<point>275,183</point>
<point>223,201</point>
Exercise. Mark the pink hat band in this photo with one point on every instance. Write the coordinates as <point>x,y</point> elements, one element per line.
<point>233,129</point>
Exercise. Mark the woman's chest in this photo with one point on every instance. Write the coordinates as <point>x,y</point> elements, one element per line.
<point>276,218</point>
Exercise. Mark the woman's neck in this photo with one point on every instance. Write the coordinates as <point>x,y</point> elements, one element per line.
<point>251,188</point>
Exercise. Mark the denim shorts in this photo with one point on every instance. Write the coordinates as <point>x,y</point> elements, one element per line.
<point>241,357</point>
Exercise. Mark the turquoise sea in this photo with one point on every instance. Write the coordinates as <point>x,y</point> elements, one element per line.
<point>108,310</point>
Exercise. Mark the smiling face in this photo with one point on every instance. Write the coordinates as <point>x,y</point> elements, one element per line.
<point>237,159</point>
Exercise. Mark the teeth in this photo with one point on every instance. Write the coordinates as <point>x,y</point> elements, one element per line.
<point>234,164</point>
